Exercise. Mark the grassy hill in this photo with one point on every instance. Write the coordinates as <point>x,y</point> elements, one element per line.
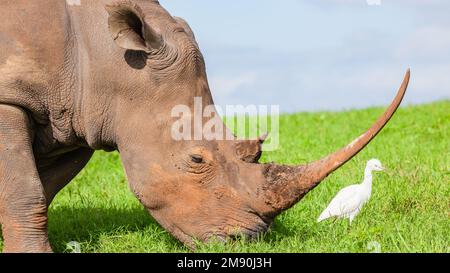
<point>409,210</point>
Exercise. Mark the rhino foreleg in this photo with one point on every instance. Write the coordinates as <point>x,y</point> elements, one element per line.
<point>23,208</point>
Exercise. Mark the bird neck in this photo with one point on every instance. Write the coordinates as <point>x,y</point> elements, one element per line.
<point>368,176</point>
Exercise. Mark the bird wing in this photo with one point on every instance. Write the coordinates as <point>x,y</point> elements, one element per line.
<point>346,201</point>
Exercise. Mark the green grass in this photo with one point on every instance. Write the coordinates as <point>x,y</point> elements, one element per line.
<point>409,210</point>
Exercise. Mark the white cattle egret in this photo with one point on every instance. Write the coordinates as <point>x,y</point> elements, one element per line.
<point>349,201</point>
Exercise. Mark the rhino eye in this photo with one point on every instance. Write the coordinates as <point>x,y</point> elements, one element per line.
<point>197,159</point>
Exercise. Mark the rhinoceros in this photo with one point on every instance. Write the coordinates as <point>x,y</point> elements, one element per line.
<point>83,75</point>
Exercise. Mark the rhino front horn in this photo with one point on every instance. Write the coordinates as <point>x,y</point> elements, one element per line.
<point>286,185</point>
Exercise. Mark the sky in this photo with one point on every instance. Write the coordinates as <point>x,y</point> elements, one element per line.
<point>321,54</point>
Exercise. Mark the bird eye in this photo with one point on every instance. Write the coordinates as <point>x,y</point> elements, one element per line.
<point>197,159</point>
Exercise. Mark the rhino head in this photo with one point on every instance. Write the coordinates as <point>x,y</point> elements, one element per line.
<point>197,189</point>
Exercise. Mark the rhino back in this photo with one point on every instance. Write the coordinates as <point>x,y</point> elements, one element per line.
<point>33,30</point>
<point>33,50</point>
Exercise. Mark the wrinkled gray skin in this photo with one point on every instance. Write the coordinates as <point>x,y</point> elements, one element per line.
<point>105,75</point>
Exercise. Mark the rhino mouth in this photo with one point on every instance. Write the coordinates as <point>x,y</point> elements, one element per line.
<point>250,232</point>
<point>229,234</point>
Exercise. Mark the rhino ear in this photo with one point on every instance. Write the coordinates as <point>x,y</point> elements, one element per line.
<point>129,29</point>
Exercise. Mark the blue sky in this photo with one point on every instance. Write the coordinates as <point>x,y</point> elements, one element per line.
<point>321,54</point>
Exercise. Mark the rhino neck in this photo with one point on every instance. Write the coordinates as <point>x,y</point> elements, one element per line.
<point>93,100</point>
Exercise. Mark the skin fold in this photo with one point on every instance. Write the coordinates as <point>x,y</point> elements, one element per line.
<point>105,75</point>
